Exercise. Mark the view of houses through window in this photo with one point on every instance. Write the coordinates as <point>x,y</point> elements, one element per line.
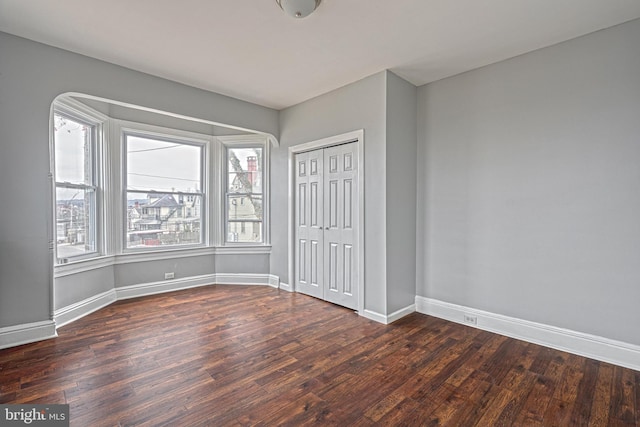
<point>75,181</point>
<point>244,194</point>
<point>164,192</point>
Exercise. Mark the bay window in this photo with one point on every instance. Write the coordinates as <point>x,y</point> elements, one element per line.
<point>122,188</point>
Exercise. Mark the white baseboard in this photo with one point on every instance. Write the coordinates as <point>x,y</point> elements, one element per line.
<point>286,287</point>
<point>80,309</point>
<point>12,336</point>
<point>591,346</point>
<point>246,279</point>
<point>386,319</point>
<point>375,316</point>
<point>274,281</point>
<point>396,315</point>
<point>152,288</point>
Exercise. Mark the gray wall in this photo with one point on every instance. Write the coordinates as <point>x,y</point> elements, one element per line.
<point>80,286</point>
<point>242,264</point>
<point>361,105</point>
<point>31,76</point>
<point>135,273</point>
<point>529,179</point>
<point>401,192</point>
<point>141,116</point>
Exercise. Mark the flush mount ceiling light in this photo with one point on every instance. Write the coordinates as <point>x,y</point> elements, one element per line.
<point>298,8</point>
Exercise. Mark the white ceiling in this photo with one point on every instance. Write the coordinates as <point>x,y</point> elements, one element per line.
<point>251,50</point>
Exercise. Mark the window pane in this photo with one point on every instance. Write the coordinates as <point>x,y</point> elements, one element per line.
<point>245,207</point>
<point>244,195</point>
<point>244,232</point>
<point>154,164</point>
<point>163,219</point>
<point>72,141</point>
<point>244,218</point>
<point>245,170</point>
<point>75,224</point>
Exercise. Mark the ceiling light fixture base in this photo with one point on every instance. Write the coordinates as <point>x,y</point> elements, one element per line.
<point>298,8</point>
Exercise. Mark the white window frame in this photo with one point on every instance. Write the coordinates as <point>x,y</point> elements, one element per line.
<point>244,141</point>
<point>79,112</point>
<point>207,192</point>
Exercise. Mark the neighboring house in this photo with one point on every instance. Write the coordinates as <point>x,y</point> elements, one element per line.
<point>163,220</point>
<point>244,224</point>
<point>70,222</point>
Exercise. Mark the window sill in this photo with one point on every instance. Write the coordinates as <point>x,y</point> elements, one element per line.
<point>241,249</point>
<point>81,265</point>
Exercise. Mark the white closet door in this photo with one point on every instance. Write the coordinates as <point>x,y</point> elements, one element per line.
<point>309,223</point>
<point>340,213</point>
<point>326,223</point>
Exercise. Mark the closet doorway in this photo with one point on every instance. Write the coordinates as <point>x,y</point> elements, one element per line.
<point>327,221</point>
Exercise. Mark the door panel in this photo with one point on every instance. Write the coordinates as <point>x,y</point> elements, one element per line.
<point>348,270</point>
<point>302,207</point>
<point>302,258</point>
<point>315,205</point>
<point>332,202</point>
<point>348,204</point>
<point>309,214</point>
<point>333,266</point>
<point>316,254</point>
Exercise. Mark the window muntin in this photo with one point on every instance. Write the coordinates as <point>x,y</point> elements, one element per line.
<point>244,195</point>
<point>164,192</point>
<point>75,175</point>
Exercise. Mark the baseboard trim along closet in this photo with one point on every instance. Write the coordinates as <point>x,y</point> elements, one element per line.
<point>286,287</point>
<point>247,279</point>
<point>386,319</point>
<point>12,336</point>
<point>592,346</point>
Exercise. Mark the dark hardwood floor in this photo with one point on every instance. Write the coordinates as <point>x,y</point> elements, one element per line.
<point>237,355</point>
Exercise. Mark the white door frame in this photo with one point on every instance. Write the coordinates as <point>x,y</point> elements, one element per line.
<point>358,138</point>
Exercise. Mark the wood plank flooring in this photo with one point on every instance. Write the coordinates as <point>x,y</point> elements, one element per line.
<point>239,355</point>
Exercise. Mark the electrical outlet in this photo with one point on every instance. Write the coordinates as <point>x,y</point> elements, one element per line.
<point>472,320</point>
<point>169,275</point>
